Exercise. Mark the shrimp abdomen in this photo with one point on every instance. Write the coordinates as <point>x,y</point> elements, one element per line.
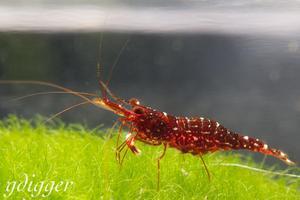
<point>201,135</point>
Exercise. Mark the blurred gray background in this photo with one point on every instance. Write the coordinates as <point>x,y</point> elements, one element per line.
<point>237,63</point>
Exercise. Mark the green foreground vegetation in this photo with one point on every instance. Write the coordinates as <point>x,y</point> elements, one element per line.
<point>50,156</point>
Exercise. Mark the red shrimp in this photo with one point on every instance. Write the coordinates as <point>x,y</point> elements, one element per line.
<point>195,135</point>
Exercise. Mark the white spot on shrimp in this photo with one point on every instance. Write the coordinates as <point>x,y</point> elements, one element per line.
<point>265,146</point>
<point>289,161</point>
<point>175,128</point>
<point>255,144</point>
<point>188,131</point>
<point>282,154</point>
<point>246,137</point>
<point>165,114</point>
<point>128,135</point>
<point>195,138</point>
<point>228,144</point>
<point>245,145</point>
<point>217,124</point>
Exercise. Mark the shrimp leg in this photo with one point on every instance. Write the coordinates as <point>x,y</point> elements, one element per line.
<point>158,164</point>
<point>205,167</point>
<point>130,143</point>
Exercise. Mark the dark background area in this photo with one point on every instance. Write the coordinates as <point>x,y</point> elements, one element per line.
<point>248,83</point>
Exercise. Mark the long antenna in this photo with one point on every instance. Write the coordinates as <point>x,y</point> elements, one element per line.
<point>52,85</point>
<point>51,92</point>
<point>116,61</point>
<point>104,86</point>
<point>65,110</point>
<point>99,54</point>
<point>107,90</point>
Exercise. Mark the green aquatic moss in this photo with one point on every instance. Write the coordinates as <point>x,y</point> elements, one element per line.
<point>86,158</point>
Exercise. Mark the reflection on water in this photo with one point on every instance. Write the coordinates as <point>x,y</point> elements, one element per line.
<point>190,17</point>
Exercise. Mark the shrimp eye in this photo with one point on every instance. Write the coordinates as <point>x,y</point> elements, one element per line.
<point>134,102</point>
<point>138,110</point>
